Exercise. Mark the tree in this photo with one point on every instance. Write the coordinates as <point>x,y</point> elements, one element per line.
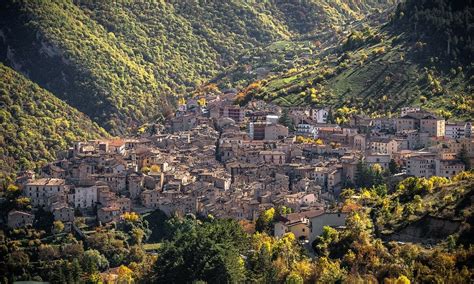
<point>286,120</point>
<point>131,216</point>
<point>13,192</point>
<point>145,170</point>
<point>304,268</point>
<point>402,280</point>
<point>265,221</point>
<point>47,252</point>
<point>94,261</point>
<point>463,156</point>
<point>330,116</point>
<point>155,168</point>
<point>202,102</point>
<point>18,261</point>
<point>136,254</point>
<point>124,275</point>
<point>71,251</point>
<point>361,174</point>
<point>58,226</point>
<point>321,243</point>
<point>137,236</point>
<point>393,167</point>
<point>368,176</point>
<point>210,252</point>
<point>261,265</point>
<point>75,271</point>
<point>294,278</point>
<point>328,271</point>
<point>43,220</point>
<point>23,203</point>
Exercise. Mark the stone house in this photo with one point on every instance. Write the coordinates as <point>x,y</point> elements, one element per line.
<point>433,125</point>
<point>40,190</point>
<point>63,213</point>
<point>18,219</point>
<point>318,221</point>
<point>108,214</point>
<point>383,146</point>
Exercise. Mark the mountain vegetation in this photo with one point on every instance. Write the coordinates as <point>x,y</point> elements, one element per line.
<point>34,124</point>
<point>62,49</point>
<point>83,69</point>
<point>378,69</point>
<point>120,62</point>
<point>414,199</point>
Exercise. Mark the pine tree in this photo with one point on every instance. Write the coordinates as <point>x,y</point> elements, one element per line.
<point>393,167</point>
<point>463,156</point>
<point>76,270</point>
<point>286,120</point>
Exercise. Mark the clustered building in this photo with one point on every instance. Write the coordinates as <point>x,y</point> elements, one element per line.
<point>236,161</point>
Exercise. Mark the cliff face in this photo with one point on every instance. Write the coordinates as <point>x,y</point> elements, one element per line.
<point>430,216</point>
<point>428,230</point>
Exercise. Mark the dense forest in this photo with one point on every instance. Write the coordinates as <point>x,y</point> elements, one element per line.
<point>35,124</point>
<point>445,25</point>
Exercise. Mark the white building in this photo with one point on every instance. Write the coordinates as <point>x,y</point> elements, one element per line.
<point>383,146</point>
<point>85,197</point>
<point>40,190</point>
<point>305,129</point>
<point>272,118</point>
<point>458,130</point>
<point>319,115</point>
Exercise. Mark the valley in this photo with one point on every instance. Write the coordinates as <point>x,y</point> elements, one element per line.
<point>209,141</point>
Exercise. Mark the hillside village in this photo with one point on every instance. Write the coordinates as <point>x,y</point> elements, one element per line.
<point>216,158</point>
<point>285,141</point>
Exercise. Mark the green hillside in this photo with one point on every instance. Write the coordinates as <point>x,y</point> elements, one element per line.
<point>420,210</point>
<point>121,62</point>
<point>377,70</point>
<point>34,124</point>
<point>415,198</point>
<point>63,50</point>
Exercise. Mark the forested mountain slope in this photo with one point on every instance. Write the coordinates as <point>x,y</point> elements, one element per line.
<point>119,62</point>
<point>58,46</point>
<point>34,124</point>
<point>421,56</point>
